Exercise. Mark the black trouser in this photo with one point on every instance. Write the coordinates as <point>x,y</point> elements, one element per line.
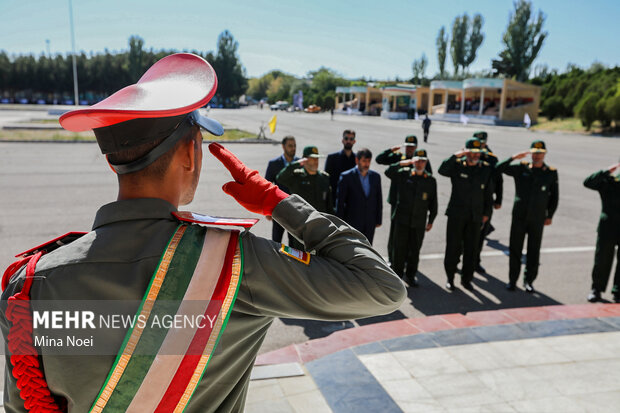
<point>518,230</point>
<point>407,244</point>
<point>425,135</point>
<point>461,238</point>
<point>277,232</point>
<point>390,245</point>
<point>603,261</point>
<point>486,230</point>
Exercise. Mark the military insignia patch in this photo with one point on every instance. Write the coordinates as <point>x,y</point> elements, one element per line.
<point>300,256</point>
<point>424,196</point>
<point>544,188</point>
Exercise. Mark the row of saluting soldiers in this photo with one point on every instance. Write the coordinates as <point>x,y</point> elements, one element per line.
<point>477,187</point>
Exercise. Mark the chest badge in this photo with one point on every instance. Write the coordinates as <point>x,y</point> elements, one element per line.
<point>543,188</point>
<point>298,255</point>
<point>464,175</point>
<point>482,186</point>
<point>424,196</point>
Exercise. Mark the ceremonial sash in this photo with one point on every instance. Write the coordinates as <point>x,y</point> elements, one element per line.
<point>199,265</point>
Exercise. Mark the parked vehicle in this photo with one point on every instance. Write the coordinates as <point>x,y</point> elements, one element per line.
<point>312,109</point>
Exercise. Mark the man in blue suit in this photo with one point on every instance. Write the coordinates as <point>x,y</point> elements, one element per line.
<point>359,199</point>
<point>289,147</point>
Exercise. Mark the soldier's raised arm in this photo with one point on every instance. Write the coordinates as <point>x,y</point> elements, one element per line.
<point>346,278</point>
<point>600,178</point>
<point>285,176</point>
<point>388,156</point>
<point>448,166</point>
<point>507,167</point>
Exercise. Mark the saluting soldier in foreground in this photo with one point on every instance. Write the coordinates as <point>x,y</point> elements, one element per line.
<point>607,183</point>
<point>414,213</point>
<point>391,156</point>
<point>142,248</point>
<point>498,190</point>
<point>536,200</point>
<point>469,207</point>
<point>304,178</point>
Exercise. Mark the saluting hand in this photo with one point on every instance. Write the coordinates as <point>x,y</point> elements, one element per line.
<point>252,191</point>
<point>395,148</point>
<point>302,161</point>
<point>521,155</point>
<point>462,152</point>
<point>406,162</point>
<point>613,168</point>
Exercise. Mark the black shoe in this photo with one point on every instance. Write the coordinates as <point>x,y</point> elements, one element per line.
<point>411,281</point>
<point>467,285</point>
<point>529,288</point>
<point>480,269</point>
<point>510,286</point>
<point>450,286</point>
<point>594,296</point>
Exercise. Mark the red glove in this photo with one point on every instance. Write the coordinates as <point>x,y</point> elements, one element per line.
<point>252,191</point>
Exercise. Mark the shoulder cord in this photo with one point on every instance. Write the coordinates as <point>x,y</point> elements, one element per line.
<point>33,388</point>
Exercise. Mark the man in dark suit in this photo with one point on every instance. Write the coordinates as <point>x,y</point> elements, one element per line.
<point>289,146</point>
<point>343,160</point>
<point>359,196</point>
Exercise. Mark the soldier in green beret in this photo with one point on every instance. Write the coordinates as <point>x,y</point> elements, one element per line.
<point>304,178</point>
<point>536,200</point>
<point>469,207</point>
<point>414,212</point>
<point>391,156</point>
<point>607,183</point>
<point>498,191</point>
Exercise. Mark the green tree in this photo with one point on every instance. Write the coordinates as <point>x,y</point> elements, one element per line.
<point>553,107</point>
<point>523,40</point>
<point>612,108</point>
<point>587,109</point>
<point>419,67</point>
<point>442,47</point>
<point>474,40</point>
<point>135,58</point>
<point>458,43</point>
<point>232,82</point>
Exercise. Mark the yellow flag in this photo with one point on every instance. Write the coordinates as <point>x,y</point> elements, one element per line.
<point>272,124</point>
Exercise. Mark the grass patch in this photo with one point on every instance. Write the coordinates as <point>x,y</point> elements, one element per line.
<point>565,125</point>
<point>231,135</point>
<point>64,135</point>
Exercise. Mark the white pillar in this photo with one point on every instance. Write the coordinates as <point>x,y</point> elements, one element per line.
<point>445,110</point>
<point>481,101</point>
<point>462,101</point>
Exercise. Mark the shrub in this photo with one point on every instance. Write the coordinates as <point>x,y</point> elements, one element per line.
<point>586,109</point>
<point>553,107</point>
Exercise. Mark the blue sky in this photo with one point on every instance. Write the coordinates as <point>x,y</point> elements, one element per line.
<point>377,39</point>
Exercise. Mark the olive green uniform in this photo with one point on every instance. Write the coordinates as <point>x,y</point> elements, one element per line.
<point>389,157</point>
<point>498,191</point>
<point>346,279</point>
<point>470,200</point>
<point>536,199</point>
<point>415,206</point>
<point>315,189</point>
<point>608,237</point>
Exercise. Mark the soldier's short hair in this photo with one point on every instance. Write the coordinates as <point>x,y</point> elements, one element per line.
<point>287,138</point>
<point>348,132</point>
<point>363,153</point>
<point>158,168</point>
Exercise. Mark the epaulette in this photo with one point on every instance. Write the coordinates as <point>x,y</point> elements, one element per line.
<point>324,173</point>
<point>491,154</point>
<point>485,163</point>
<point>551,168</point>
<point>525,163</point>
<point>200,219</point>
<point>51,245</point>
<point>426,175</point>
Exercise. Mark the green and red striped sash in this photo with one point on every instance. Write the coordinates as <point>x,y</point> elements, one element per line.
<point>199,265</point>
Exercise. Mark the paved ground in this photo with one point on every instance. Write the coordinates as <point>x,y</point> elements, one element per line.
<point>49,189</point>
<point>547,359</point>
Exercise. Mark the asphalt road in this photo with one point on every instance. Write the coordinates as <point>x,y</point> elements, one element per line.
<point>50,189</point>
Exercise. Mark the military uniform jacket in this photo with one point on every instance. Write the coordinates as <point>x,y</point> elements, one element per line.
<point>472,188</point>
<point>346,279</point>
<point>498,179</point>
<point>536,190</point>
<point>315,189</point>
<point>388,157</point>
<point>608,186</point>
<point>416,196</point>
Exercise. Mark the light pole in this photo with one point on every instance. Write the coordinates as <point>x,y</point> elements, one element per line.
<point>75,79</point>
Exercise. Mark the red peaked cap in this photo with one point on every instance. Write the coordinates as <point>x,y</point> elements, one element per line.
<point>173,86</point>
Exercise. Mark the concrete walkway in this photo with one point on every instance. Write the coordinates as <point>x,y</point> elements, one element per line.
<point>543,359</point>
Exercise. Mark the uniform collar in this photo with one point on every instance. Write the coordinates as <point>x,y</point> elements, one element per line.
<point>133,209</point>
